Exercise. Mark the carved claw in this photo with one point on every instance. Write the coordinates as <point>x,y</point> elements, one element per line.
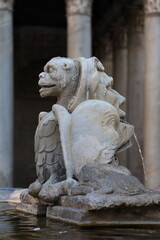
<point>69,183</point>
<point>35,188</point>
<point>52,192</point>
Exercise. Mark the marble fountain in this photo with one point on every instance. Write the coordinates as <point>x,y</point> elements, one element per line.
<point>79,179</point>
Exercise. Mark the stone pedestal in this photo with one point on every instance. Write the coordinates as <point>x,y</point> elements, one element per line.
<point>97,209</point>
<point>152,92</point>
<point>31,205</point>
<point>79,28</point>
<point>135,98</point>
<point>113,217</point>
<point>108,210</point>
<point>6,93</point>
<point>34,209</point>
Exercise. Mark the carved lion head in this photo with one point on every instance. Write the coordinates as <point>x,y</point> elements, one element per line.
<point>80,79</point>
<point>58,74</point>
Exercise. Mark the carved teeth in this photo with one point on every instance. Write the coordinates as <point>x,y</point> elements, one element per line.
<point>43,88</point>
<point>47,86</point>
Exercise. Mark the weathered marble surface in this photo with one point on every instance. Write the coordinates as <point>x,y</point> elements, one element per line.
<point>97,201</point>
<point>75,81</point>
<point>34,209</point>
<point>124,216</point>
<point>90,137</point>
<point>75,147</point>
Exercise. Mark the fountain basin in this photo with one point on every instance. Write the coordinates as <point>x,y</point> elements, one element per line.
<point>123,223</point>
<point>99,210</point>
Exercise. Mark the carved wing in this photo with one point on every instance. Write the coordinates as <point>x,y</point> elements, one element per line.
<point>48,147</point>
<point>45,138</point>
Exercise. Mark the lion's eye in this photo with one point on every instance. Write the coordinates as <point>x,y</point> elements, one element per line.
<point>66,67</point>
<point>52,69</point>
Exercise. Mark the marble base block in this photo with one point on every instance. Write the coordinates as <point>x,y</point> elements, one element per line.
<point>123,216</point>
<point>34,209</point>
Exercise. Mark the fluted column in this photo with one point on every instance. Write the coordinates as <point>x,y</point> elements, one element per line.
<point>79,28</point>
<point>6,93</point>
<point>135,98</point>
<point>152,92</point>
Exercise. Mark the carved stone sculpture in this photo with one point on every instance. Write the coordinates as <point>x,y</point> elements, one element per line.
<point>90,136</point>
<point>79,179</point>
<point>76,143</point>
<point>72,81</point>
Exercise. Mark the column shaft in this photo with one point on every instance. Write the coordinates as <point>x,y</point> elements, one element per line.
<point>79,36</point>
<point>6,94</point>
<point>152,93</point>
<point>120,73</point>
<point>79,28</point>
<point>120,70</point>
<point>120,61</point>
<point>135,97</point>
<point>106,53</point>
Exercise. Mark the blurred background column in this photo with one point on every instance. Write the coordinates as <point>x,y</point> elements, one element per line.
<point>6,93</point>
<point>120,70</point>
<point>135,85</point>
<point>120,60</point>
<point>79,28</point>
<point>105,53</point>
<point>152,92</point>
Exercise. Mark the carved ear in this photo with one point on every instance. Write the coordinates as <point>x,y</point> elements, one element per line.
<point>97,76</point>
<point>81,93</point>
<point>98,65</point>
<point>91,73</point>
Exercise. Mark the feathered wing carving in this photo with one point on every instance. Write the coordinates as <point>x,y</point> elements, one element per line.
<point>48,152</point>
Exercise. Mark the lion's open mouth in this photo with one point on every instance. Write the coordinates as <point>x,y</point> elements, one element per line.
<point>45,87</point>
<point>124,146</point>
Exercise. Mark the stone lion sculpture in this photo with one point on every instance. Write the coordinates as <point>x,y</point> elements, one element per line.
<point>84,91</point>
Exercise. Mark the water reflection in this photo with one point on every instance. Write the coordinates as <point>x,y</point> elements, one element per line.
<point>15,226</point>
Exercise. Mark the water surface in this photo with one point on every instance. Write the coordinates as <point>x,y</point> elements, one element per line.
<point>14,226</point>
